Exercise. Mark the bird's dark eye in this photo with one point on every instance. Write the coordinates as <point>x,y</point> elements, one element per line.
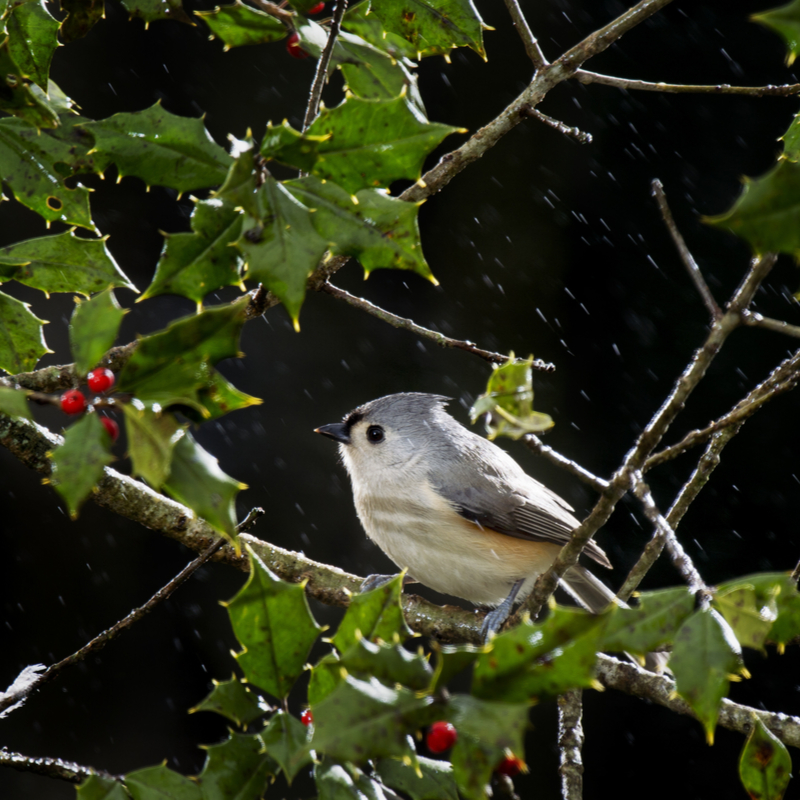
<point>375,434</point>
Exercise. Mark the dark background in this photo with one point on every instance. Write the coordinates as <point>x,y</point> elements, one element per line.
<point>543,246</point>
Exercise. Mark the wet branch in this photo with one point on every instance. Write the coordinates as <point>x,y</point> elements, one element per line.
<point>532,48</point>
<point>535,444</point>
<point>409,325</point>
<point>785,90</point>
<point>570,742</point>
<point>755,320</point>
<point>574,133</point>
<point>57,768</point>
<point>274,10</point>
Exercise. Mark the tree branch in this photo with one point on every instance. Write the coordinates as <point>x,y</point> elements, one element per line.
<point>52,767</point>
<point>676,88</point>
<point>755,320</point>
<point>532,48</point>
<point>557,124</point>
<point>570,742</point>
<point>535,443</point>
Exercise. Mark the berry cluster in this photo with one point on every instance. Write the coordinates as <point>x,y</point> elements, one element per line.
<point>73,401</point>
<point>443,735</point>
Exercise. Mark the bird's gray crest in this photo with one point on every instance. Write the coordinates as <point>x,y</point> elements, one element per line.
<point>404,405</point>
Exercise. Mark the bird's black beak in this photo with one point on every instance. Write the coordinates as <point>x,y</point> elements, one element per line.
<point>337,431</point>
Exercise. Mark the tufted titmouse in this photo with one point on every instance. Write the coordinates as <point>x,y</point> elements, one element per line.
<point>455,509</point>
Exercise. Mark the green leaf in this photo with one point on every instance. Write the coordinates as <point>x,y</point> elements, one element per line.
<point>35,164</point>
<point>451,659</point>
<point>360,720</point>
<point>376,615</point>
<point>281,247</point>
<point>21,339</point>
<point>241,183</point>
<point>434,27</point>
<point>238,24</point>
<point>161,148</point>
<point>14,403</point>
<point>435,781</point>
<point>65,263</point>
<point>389,663</point>
<point>78,464</point>
<point>272,621</point>
<point>237,768</point>
<point>765,766</point>
<point>508,401</point>
<point>154,10</point>
<point>786,22</point>
<point>172,367</point>
<point>194,264</point>
<point>82,16</point>
<point>535,659</point>
<point>791,140</point>
<point>750,620</point>
<point>32,40</point>
<point>704,657</point>
<point>285,739</point>
<point>196,480</point>
<point>97,788</point>
<point>152,437</point>
<point>650,624</point>
<point>217,398</point>
<point>345,782</point>
<point>18,97</point>
<point>326,675</point>
<point>93,329</point>
<point>378,230</point>
<point>161,783</point>
<point>359,21</point>
<point>360,143</point>
<point>233,700</point>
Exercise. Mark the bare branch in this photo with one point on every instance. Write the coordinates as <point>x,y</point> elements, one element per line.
<point>676,88</point>
<point>321,74</point>
<point>556,124</point>
<point>52,767</point>
<point>688,260</point>
<point>570,742</point>
<point>409,325</point>
<point>532,48</point>
<point>274,10</point>
<point>755,320</point>
<point>535,443</point>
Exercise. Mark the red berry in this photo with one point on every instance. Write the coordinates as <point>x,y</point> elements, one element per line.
<point>100,380</point>
<point>73,402</point>
<point>317,9</point>
<point>307,718</point>
<point>294,48</point>
<point>510,766</point>
<point>111,426</point>
<point>441,736</point>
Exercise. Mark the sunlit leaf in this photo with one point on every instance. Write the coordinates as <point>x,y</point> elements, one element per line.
<point>19,97</point>
<point>238,24</point>
<point>151,439</point>
<point>434,782</point>
<point>389,663</point>
<point>21,338</point>
<point>345,782</point>
<point>32,40</point>
<point>285,739</point>
<point>237,768</point>
<point>241,183</point>
<point>765,766</point>
<point>785,20</point>
<point>161,783</point>
<point>452,659</point>
<point>750,619</point>
<point>93,329</point>
<point>368,26</point>
<point>232,699</point>
<point>326,675</point>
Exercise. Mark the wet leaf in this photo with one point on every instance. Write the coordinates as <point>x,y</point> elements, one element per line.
<point>272,621</point>
<point>389,663</point>
<point>345,782</point>
<point>21,338</point>
<point>79,463</point>
<point>451,659</point>
<point>161,783</point>
<point>14,403</point>
<point>237,768</point>
<point>241,183</point>
<point>785,21</point>
<point>233,700</point>
<point>82,16</point>
<point>97,788</point>
<point>326,675</point>
<point>435,782</point>
<point>154,10</point>
<point>32,40</point>
<point>357,20</point>
<point>93,329</point>
<point>285,739</point>
<point>765,766</point>
<point>750,620</point>
<point>238,24</point>
<point>151,440</point>
<point>18,96</point>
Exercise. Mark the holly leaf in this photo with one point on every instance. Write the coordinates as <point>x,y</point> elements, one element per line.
<point>241,183</point>
<point>451,659</point>
<point>161,783</point>
<point>14,403</point>
<point>389,663</point>
<point>359,21</point>
<point>434,27</point>
<point>217,398</point>
<point>32,40</point>
<point>18,97</point>
<point>21,339</point>
<point>705,655</point>
<point>751,620</point>
<point>82,16</point>
<point>765,766</point>
<point>285,739</point>
<point>237,768</point>
<point>785,21</point>
<point>194,264</point>
<point>35,164</point>
<point>433,781</point>
<point>508,401</point>
<point>196,480</point>
<point>346,782</point>
<point>152,437</point>
<point>161,148</point>
<point>378,230</point>
<point>326,675</point>
<point>233,700</point>
<point>78,464</point>
<point>360,143</point>
<point>281,246</point>
<point>238,24</point>
<point>154,10</point>
<point>97,788</point>
<point>93,329</point>
<point>791,141</point>
<point>376,615</point>
<point>273,623</point>
<point>65,263</point>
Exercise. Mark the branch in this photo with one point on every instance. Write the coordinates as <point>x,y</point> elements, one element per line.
<point>321,74</point>
<point>274,10</point>
<point>688,260</point>
<point>52,767</point>
<point>535,443</point>
<point>532,48</point>
<point>556,124</point>
<point>677,88</point>
<point>410,325</point>
<point>755,320</point>
<point>570,742</point>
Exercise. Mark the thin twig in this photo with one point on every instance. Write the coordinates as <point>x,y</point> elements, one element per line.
<point>532,47</point>
<point>754,319</point>
<point>57,768</point>
<point>321,74</point>
<point>796,573</point>
<point>688,259</point>
<point>574,133</point>
<point>274,10</point>
<point>409,325</point>
<point>535,443</point>
<point>570,742</point>
<point>677,88</point>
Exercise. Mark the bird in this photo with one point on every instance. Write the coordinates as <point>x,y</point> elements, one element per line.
<point>454,509</point>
